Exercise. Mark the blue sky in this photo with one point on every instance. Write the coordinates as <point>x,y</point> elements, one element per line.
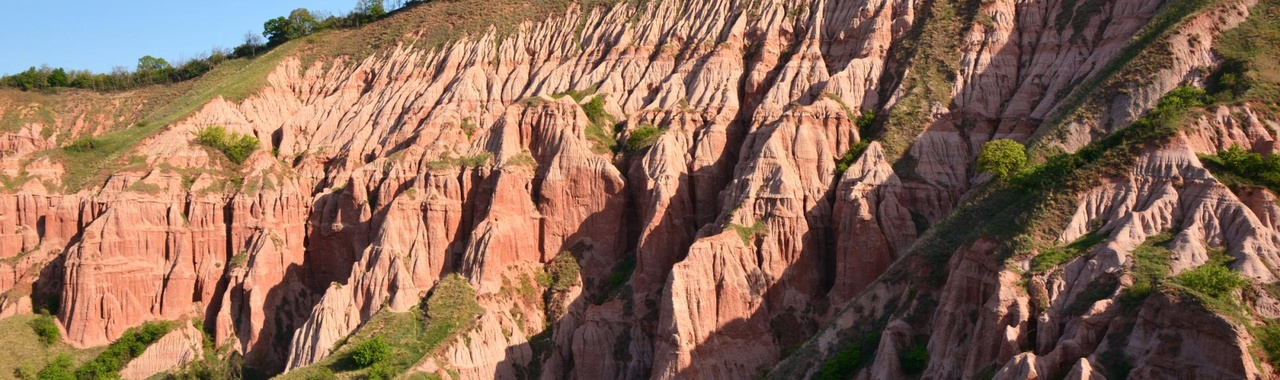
<point>99,35</point>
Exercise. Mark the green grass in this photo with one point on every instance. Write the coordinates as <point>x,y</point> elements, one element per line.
<point>1267,339</point>
<point>1051,258</point>
<point>748,233</point>
<point>1251,51</point>
<point>1150,267</point>
<point>599,131</point>
<point>618,278</point>
<point>451,309</point>
<point>237,147</point>
<point>850,157</point>
<point>642,138</point>
<point>931,47</point>
<point>848,360</point>
<point>135,340</point>
<point>446,162</point>
<point>87,161</point>
<point>30,354</point>
<point>1134,63</point>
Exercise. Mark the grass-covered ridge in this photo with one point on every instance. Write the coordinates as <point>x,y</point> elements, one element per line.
<point>405,338</point>
<point>30,354</point>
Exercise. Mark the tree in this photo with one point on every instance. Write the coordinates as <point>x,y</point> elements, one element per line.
<point>58,78</point>
<point>1002,158</point>
<point>280,29</point>
<point>371,351</point>
<point>152,69</point>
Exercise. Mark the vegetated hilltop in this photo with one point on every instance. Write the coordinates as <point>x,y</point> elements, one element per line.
<point>666,189</point>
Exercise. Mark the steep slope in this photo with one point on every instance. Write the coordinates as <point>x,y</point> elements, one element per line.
<point>732,241</point>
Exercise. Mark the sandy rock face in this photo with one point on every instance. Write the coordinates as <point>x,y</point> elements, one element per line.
<point>715,249</point>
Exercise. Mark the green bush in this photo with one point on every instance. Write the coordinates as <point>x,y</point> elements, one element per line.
<point>1211,279</point>
<point>236,146</point>
<point>1268,338</point>
<point>851,156</point>
<point>642,138</point>
<point>563,271</point>
<point>380,371</point>
<point>1150,266</point>
<point>1003,158</point>
<point>108,364</point>
<point>1236,165</point>
<point>371,351</point>
<point>61,368</point>
<point>915,360</point>
<point>1053,257</point>
<point>842,365</point>
<point>46,329</point>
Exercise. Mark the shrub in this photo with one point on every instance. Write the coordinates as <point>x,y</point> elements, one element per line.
<point>108,364</point>
<point>380,371</point>
<point>371,351</point>
<point>915,360</point>
<point>865,122</point>
<point>61,368</point>
<point>1003,158</point>
<point>842,365</point>
<point>1051,258</point>
<point>563,271</point>
<point>46,329</point>
<point>642,138</point>
<point>236,146</point>
<point>851,156</point>
<point>1211,280</point>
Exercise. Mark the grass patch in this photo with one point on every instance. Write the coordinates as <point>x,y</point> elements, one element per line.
<point>618,278</point>
<point>1267,339</point>
<point>748,233</point>
<point>603,140</point>
<point>446,161</point>
<point>450,310</point>
<point>237,147</point>
<point>915,360</point>
<point>1051,258</point>
<point>850,359</point>
<point>851,156</point>
<point>1133,63</point>
<point>643,138</point>
<point>30,354</point>
<point>108,364</point>
<point>1236,166</point>
<point>45,327</point>
<point>1150,267</point>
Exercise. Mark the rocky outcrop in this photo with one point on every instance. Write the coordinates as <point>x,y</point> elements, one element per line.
<point>175,349</point>
<point>496,152</point>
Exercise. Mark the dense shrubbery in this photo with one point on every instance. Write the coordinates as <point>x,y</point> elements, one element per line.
<point>46,329</point>
<point>371,351</point>
<point>61,368</point>
<point>108,364</point>
<point>1242,166</point>
<point>236,146</point>
<point>642,138</point>
<point>851,156</point>
<point>1002,158</point>
<point>1212,279</point>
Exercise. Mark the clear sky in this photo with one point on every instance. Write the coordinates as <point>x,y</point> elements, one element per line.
<point>99,35</point>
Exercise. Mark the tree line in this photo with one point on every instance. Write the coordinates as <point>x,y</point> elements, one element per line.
<point>151,70</point>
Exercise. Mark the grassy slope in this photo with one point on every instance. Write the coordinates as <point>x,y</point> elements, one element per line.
<point>439,22</point>
<point>26,350</point>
